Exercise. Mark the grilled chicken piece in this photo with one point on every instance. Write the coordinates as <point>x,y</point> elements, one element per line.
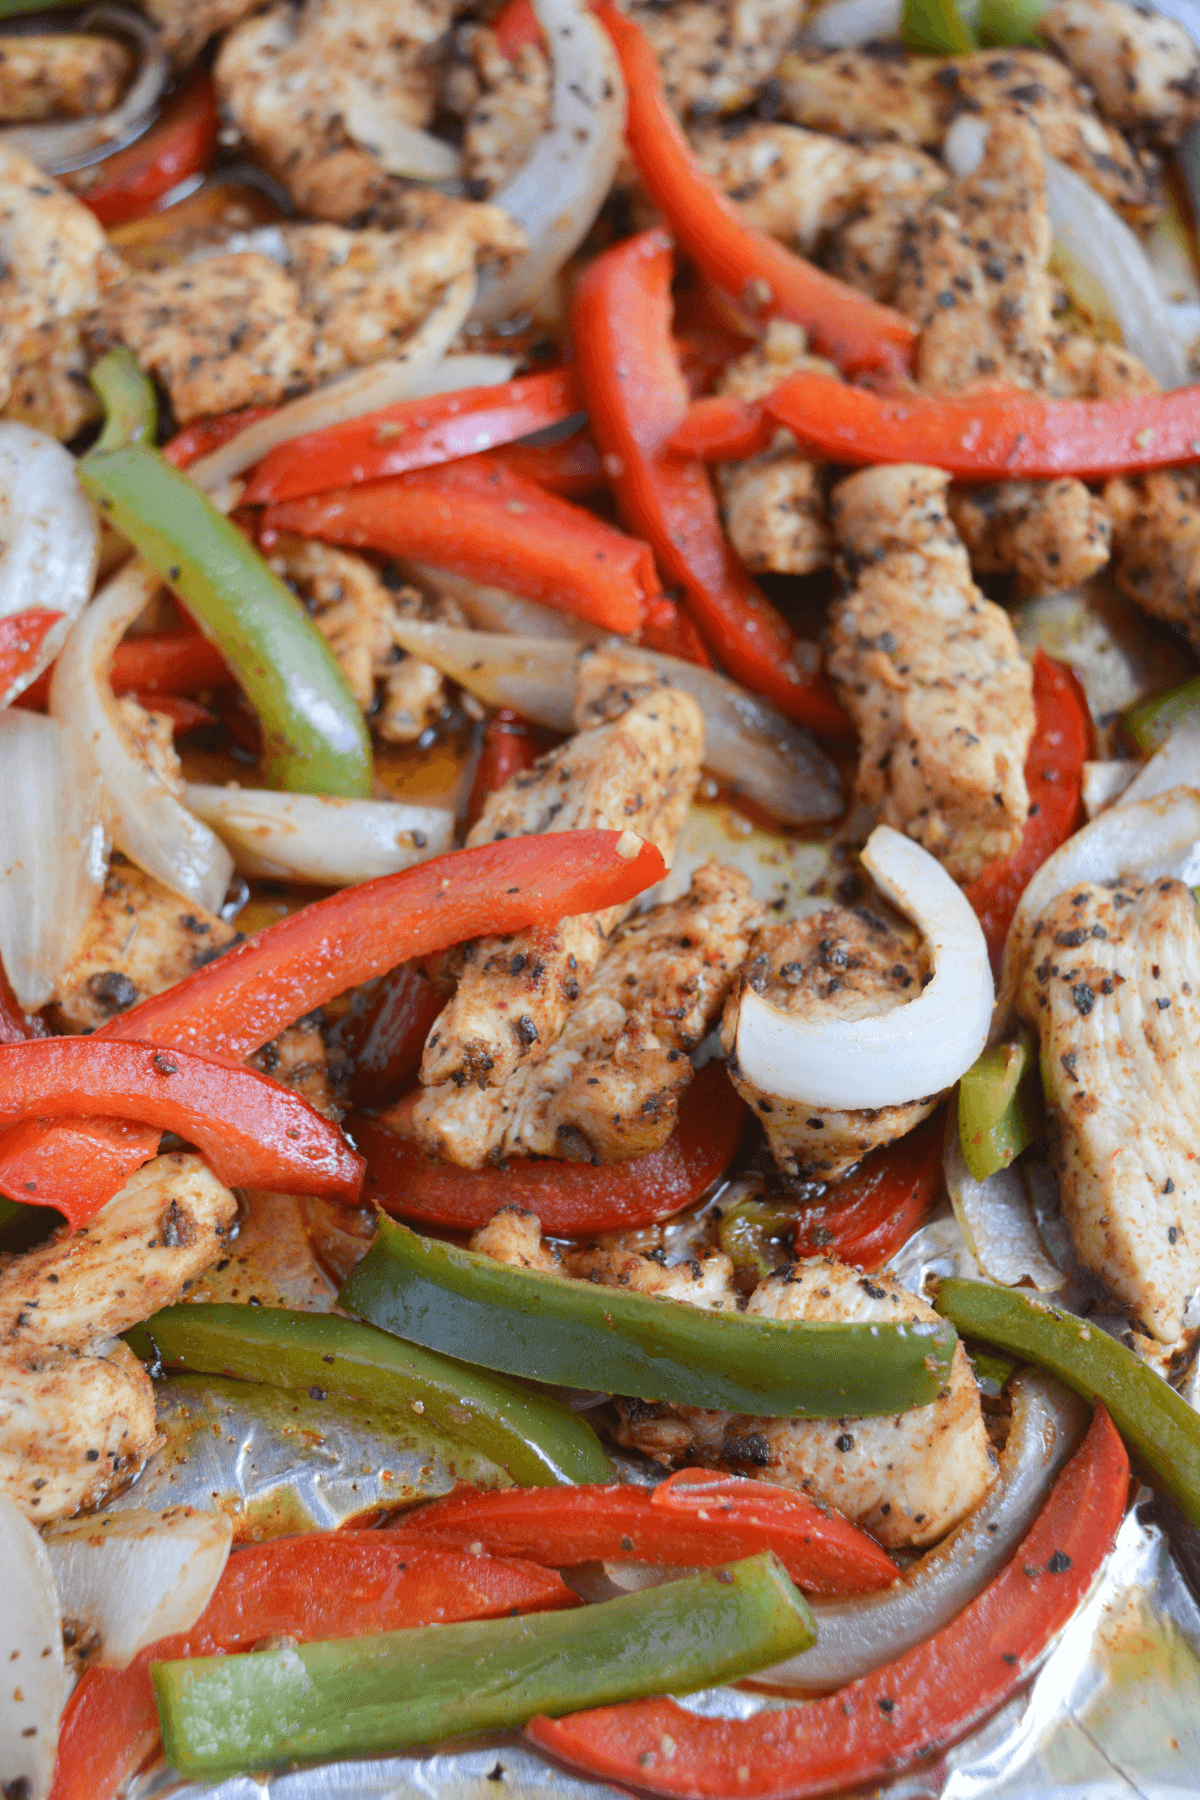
<point>513,1235</point>
<point>931,673</point>
<point>882,93</point>
<point>299,1059</point>
<point>356,614</point>
<point>837,964</point>
<point>1091,370</point>
<point>1052,534</point>
<point>187,25</point>
<point>71,74</point>
<point>54,261</point>
<point>1156,544</point>
<point>73,1429</point>
<point>715,54</point>
<point>141,1252</point>
<point>511,109</point>
<point>1144,69</point>
<point>1112,984</point>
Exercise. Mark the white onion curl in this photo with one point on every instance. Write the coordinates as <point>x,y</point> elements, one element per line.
<point>31,1656</point>
<point>997,1221</point>
<point>49,541</point>
<point>918,1047</point>
<point>80,142</point>
<point>312,837</point>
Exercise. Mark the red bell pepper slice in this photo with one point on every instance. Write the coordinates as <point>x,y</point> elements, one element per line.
<point>693,1520</point>
<point>157,663</point>
<point>386,1040</point>
<point>571,468</point>
<point>509,747</point>
<point>414,434</point>
<point>865,1218</point>
<point>203,435</point>
<point>252,1131</point>
<point>236,1004</point>
<point>185,715</point>
<point>766,279</point>
<point>1061,744</point>
<point>571,1199</point>
<point>21,638</point>
<point>182,143</point>
<point>322,1585</point>
<point>1000,434</point>
<point>515,26</point>
<point>480,519</point>
<point>903,1712</point>
<point>636,395</point>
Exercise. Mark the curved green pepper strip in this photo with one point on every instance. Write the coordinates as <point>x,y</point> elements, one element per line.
<point>585,1335</point>
<point>744,1230</point>
<point>315,739</point>
<point>538,1440</point>
<point>1152,1418</point>
<point>1009,24</point>
<point>130,404</point>
<point>1000,1105</point>
<point>395,1689</point>
<point>1150,723</point>
<point>935,27</point>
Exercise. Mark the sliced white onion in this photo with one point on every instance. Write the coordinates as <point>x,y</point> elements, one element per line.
<point>53,852</point>
<point>558,193</point>
<point>495,609</point>
<point>145,818</point>
<point>401,149</point>
<point>1105,782</point>
<point>997,1222</point>
<point>346,396</point>
<point>311,837</point>
<point>919,1047</point>
<point>74,145</point>
<point>49,540</point>
<point>846,24</point>
<point>856,1636</point>
<point>133,1577</point>
<point>1177,764</point>
<point>31,1658</point>
<point>1150,838</point>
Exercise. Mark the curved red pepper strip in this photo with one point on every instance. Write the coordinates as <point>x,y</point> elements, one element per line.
<point>478,518</point>
<point>203,435</point>
<point>509,747</point>
<point>414,434</point>
<point>241,1001</point>
<point>1061,744</point>
<point>865,1218</point>
<point>321,1585</point>
<point>515,26</point>
<point>722,428</point>
<point>386,1040</point>
<point>998,435</point>
<point>184,715</point>
<point>182,143</point>
<point>572,468</point>
<point>904,1712</point>
<point>159,662</point>
<point>21,638</point>
<point>693,1520</point>
<point>765,278</point>
<point>252,1131</point>
<point>636,395</point>
<point>571,1199</point>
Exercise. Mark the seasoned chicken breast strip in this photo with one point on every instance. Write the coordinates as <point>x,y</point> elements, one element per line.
<point>68,73</point>
<point>714,54</point>
<point>73,1429</point>
<point>1143,68</point>
<point>1051,534</point>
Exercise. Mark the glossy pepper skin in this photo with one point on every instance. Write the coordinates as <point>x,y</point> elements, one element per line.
<point>570,1198</point>
<point>182,143</point>
<point>537,1439</point>
<point>590,1336</point>
<point>396,1689</point>
<point>318,1585</point>
<point>238,1003</point>
<point>1149,724</point>
<point>158,664</point>
<point>629,370</point>
<point>1157,1423</point>
<point>865,1218</point>
<point>903,1712</point>
<point>999,1105</point>
<point>21,638</point>
<point>130,403</point>
<point>315,738</point>
<point>754,269</point>
<point>385,1042</point>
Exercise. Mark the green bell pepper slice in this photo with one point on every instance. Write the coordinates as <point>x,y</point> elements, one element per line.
<point>539,1441</point>
<point>315,739</point>
<point>396,1689</point>
<point>583,1335</point>
<point>130,403</point>
<point>1152,1418</point>
<point>935,27</point>
<point>1009,24</point>
<point>1150,723</point>
<point>745,1229</point>
<point>1000,1105</point>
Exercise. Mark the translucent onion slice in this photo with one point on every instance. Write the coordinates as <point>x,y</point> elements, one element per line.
<point>53,852</point>
<point>751,746</point>
<point>310,837</point>
<point>495,609</point>
<point>1177,764</point>
<point>31,1655</point>
<point>401,149</point>
<point>49,540</point>
<point>846,24</point>
<point>79,142</point>
<point>919,1047</point>
<point>147,821</point>
<point>558,193</point>
<point>1105,782</point>
<point>134,1577</point>
<point>997,1222</point>
<point>856,1636</point>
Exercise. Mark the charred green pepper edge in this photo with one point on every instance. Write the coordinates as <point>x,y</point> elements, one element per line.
<point>538,1440</point>
<point>1000,1105</point>
<point>393,1690</point>
<point>585,1335</point>
<point>1157,1423</point>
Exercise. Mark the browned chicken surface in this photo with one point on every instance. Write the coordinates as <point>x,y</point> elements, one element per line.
<point>69,74</point>
<point>1111,982</point>
<point>930,671</point>
<point>836,964</point>
<point>1051,534</point>
<point>715,54</point>
<point>187,25</point>
<point>1144,69</point>
<point>505,107</point>
<point>1156,544</point>
<point>73,1429</point>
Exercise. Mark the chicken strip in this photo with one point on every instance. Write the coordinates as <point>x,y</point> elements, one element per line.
<point>715,54</point>
<point>1111,982</point>
<point>837,964</point>
<point>73,1429</point>
<point>187,25</point>
<point>1051,534</point>
<point>510,111</point>
<point>1156,545</point>
<point>1144,69</point>
<point>71,74</point>
<point>931,673</point>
